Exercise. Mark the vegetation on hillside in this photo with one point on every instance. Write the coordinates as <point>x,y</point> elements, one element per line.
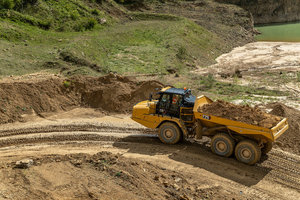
<point>129,37</point>
<point>143,46</point>
<point>95,37</point>
<point>63,15</point>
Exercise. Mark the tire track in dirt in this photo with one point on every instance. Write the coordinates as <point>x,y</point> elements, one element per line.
<point>71,128</point>
<point>75,134</point>
<point>283,168</point>
<point>59,138</point>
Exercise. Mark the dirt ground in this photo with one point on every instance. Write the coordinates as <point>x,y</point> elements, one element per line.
<point>258,56</point>
<point>266,65</point>
<point>81,176</point>
<point>86,149</point>
<point>73,155</point>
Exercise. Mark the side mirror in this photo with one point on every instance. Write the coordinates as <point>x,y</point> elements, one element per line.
<point>150,97</point>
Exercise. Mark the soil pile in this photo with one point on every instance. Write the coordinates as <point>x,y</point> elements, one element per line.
<point>81,176</point>
<point>19,98</point>
<point>111,93</point>
<point>290,140</point>
<point>245,113</point>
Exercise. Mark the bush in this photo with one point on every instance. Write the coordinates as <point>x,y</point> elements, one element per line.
<point>85,25</point>
<point>46,25</point>
<point>90,24</point>
<point>67,84</point>
<point>95,12</point>
<point>75,15</point>
<point>130,1</point>
<point>15,4</point>
<point>207,82</point>
<point>7,4</point>
<point>182,53</point>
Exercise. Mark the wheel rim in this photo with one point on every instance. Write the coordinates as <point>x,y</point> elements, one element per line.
<point>168,133</point>
<point>221,146</point>
<point>246,153</point>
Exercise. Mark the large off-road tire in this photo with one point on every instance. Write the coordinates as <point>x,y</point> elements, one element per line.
<point>222,144</point>
<point>169,133</point>
<point>248,152</point>
<point>267,148</point>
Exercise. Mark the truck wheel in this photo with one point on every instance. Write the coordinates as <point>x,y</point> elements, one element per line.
<point>267,147</point>
<point>248,152</point>
<point>169,133</point>
<point>222,144</point>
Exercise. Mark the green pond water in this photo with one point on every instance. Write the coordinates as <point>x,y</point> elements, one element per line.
<point>279,32</point>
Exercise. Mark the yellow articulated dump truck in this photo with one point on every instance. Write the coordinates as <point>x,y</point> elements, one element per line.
<point>176,114</point>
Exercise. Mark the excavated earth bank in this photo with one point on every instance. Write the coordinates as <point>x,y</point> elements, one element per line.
<point>290,140</point>
<point>244,113</point>
<point>111,93</point>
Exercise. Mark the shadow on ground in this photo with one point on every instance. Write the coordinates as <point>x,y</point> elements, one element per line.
<point>198,155</point>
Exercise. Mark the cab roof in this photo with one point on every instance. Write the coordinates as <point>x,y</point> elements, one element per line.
<point>170,90</point>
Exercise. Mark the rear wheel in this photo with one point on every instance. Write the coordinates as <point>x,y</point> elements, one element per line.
<point>169,133</point>
<point>222,144</point>
<point>267,147</point>
<point>248,152</point>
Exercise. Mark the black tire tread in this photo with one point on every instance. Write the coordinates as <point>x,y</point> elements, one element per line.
<point>254,146</point>
<point>226,137</point>
<point>178,136</point>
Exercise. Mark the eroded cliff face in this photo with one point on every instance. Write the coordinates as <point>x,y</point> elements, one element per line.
<point>270,11</point>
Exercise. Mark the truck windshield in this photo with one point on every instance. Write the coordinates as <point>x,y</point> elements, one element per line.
<point>190,98</point>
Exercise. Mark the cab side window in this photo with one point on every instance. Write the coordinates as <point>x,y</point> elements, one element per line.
<point>164,104</point>
<point>165,98</point>
<point>175,106</point>
<point>176,100</point>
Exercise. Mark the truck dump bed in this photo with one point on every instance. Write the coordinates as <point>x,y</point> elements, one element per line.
<point>238,127</point>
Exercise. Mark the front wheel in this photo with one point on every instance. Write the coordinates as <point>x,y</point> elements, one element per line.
<point>169,133</point>
<point>248,152</point>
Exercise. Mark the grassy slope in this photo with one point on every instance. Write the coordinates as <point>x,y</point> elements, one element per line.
<point>63,15</point>
<point>229,22</point>
<point>149,46</point>
<point>146,44</point>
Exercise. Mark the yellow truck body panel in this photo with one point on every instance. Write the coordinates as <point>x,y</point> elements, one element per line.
<point>144,113</point>
<point>239,127</point>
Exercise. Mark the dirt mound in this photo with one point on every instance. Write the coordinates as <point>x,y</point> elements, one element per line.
<point>245,113</point>
<point>111,93</point>
<point>81,176</point>
<point>290,140</point>
<point>21,98</point>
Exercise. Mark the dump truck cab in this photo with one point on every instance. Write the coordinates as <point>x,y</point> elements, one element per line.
<point>171,100</point>
<point>172,108</point>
